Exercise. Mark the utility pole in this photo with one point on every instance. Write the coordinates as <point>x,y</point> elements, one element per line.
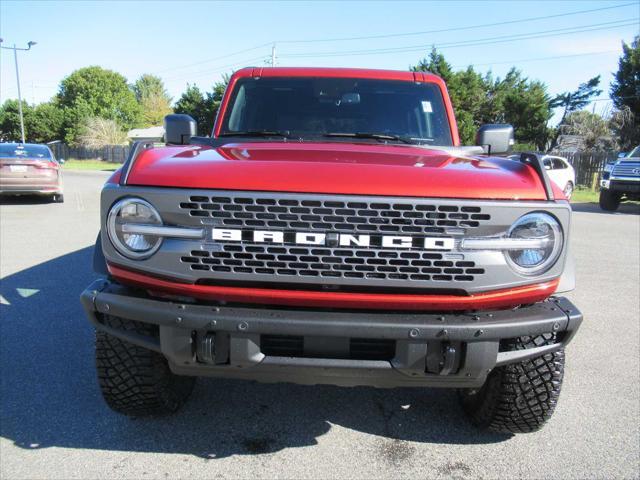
<point>273,55</point>
<point>15,57</point>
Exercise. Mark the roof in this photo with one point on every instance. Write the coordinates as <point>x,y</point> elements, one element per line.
<point>338,72</point>
<point>20,144</point>
<point>151,132</point>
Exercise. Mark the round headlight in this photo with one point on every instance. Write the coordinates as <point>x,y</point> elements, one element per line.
<point>127,216</point>
<point>546,232</point>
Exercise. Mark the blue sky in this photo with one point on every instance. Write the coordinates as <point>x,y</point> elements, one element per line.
<point>196,42</point>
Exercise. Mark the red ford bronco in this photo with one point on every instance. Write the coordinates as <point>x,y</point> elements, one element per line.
<point>333,231</point>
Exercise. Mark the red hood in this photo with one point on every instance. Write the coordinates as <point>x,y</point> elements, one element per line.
<point>339,168</point>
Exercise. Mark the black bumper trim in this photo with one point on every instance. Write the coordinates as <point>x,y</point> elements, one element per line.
<point>480,333</point>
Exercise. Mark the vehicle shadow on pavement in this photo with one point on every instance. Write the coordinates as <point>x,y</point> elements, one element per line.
<point>50,398</point>
<point>624,208</point>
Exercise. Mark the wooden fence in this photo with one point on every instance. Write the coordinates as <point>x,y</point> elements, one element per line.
<point>110,153</point>
<point>587,165</point>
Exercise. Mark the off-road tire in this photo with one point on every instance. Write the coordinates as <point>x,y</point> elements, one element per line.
<point>136,381</point>
<point>609,201</point>
<point>519,397</point>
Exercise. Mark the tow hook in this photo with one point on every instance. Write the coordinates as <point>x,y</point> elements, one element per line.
<point>449,360</point>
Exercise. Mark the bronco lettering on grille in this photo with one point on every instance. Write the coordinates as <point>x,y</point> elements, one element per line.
<point>332,239</point>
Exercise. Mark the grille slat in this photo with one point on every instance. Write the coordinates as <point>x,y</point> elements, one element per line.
<point>626,169</point>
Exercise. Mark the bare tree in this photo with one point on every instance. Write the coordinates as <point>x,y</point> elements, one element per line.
<point>99,132</point>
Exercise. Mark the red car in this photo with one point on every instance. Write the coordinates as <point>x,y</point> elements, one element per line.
<point>30,169</point>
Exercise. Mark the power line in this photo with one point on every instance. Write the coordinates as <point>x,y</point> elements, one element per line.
<point>215,69</point>
<point>524,60</point>
<point>392,35</point>
<point>610,100</point>
<point>499,39</point>
<point>470,43</point>
<point>454,29</point>
<point>214,58</point>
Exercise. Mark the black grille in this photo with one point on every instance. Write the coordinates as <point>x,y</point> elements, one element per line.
<point>372,349</point>
<point>373,217</point>
<point>358,349</point>
<point>282,345</point>
<point>292,261</point>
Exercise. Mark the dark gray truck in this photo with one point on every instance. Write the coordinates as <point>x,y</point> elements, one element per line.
<point>620,181</point>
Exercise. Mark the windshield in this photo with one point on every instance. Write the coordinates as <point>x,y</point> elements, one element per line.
<point>635,152</point>
<point>316,107</point>
<point>13,150</point>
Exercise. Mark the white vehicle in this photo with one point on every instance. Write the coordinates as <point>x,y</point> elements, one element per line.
<point>560,172</point>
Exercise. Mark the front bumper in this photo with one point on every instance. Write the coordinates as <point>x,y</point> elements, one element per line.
<point>621,185</point>
<point>429,349</point>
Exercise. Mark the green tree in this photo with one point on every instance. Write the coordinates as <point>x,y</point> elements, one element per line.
<point>153,98</point>
<point>626,130</point>
<point>574,101</point>
<point>46,123</point>
<point>435,63</point>
<point>96,92</point>
<point>524,104</point>
<point>42,123</point>
<point>625,93</point>
<point>479,99</point>
<point>202,106</point>
<point>10,120</point>
<point>466,90</point>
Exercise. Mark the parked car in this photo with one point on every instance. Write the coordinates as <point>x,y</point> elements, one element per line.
<point>620,181</point>
<point>30,169</point>
<point>333,230</point>
<point>560,172</point>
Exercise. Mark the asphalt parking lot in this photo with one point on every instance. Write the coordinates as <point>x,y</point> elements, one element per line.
<point>54,424</point>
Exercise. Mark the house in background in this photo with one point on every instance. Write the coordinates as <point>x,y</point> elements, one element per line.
<point>151,134</point>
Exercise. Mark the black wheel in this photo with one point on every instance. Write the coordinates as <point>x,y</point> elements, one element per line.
<point>609,201</point>
<point>57,198</point>
<point>520,397</point>
<point>136,381</point>
<point>568,190</point>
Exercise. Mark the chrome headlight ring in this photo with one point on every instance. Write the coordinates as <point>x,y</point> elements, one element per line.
<point>133,243</point>
<point>545,232</point>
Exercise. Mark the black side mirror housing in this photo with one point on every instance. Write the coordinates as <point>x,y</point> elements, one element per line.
<point>179,128</point>
<point>496,139</point>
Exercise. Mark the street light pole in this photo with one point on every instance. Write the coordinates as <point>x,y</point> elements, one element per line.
<point>15,57</point>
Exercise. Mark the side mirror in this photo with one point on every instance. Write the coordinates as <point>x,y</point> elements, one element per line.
<point>61,161</point>
<point>496,139</point>
<point>547,167</point>
<point>622,154</point>
<point>179,128</point>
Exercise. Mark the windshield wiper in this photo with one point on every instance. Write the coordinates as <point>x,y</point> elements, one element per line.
<point>376,136</point>
<point>257,133</point>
